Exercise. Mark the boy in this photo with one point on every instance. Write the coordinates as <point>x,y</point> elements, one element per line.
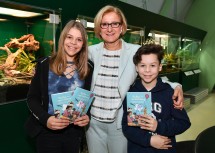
<point>157,133</point>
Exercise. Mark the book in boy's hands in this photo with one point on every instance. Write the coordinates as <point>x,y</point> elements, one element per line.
<point>72,104</point>
<point>138,104</point>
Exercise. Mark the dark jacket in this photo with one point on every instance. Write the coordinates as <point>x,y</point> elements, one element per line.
<point>171,121</point>
<point>38,101</point>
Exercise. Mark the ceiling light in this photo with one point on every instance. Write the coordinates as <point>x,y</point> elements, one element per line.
<point>17,13</point>
<point>158,35</point>
<point>90,24</point>
<point>186,39</point>
<point>2,19</point>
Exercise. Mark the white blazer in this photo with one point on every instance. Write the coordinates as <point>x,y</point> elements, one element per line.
<point>127,71</point>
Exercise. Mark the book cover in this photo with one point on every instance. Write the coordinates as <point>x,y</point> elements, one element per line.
<point>138,103</point>
<point>72,104</point>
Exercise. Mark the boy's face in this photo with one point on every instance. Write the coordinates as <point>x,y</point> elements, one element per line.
<point>148,69</point>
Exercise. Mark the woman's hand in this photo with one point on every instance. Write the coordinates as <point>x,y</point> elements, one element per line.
<point>160,142</point>
<point>178,98</point>
<point>82,121</point>
<point>148,123</point>
<point>54,123</point>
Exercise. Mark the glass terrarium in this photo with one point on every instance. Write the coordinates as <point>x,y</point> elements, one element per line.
<point>89,25</point>
<point>170,43</point>
<point>134,35</point>
<point>189,54</point>
<point>26,33</point>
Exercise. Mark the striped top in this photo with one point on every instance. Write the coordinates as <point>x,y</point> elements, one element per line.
<point>107,98</point>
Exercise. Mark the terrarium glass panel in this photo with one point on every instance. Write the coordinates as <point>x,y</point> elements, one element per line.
<point>170,43</point>
<point>23,39</point>
<point>89,25</point>
<point>189,54</point>
<point>134,35</point>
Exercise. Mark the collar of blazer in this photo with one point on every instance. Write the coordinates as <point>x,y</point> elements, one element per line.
<point>126,53</point>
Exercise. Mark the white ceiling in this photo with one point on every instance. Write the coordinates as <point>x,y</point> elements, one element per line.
<point>174,9</point>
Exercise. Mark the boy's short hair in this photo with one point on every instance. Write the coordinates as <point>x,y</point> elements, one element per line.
<point>147,49</point>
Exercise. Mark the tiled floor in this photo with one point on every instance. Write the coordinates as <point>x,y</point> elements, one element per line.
<point>202,116</point>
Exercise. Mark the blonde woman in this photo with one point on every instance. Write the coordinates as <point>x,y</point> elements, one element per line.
<point>113,74</point>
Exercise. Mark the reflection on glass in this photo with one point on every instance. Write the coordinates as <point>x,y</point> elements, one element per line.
<point>189,54</point>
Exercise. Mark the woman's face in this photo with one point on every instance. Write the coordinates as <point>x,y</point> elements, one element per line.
<point>73,43</point>
<point>111,34</point>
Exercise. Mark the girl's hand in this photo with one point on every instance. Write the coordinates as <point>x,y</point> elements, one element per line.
<point>160,142</point>
<point>82,121</point>
<point>148,123</point>
<point>54,123</point>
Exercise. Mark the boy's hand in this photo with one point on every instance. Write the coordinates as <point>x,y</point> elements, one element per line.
<point>160,142</point>
<point>147,122</point>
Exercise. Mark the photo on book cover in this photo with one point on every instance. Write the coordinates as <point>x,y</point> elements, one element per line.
<point>72,104</point>
<point>138,103</point>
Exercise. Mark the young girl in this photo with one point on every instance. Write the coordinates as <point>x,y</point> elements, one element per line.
<point>65,70</point>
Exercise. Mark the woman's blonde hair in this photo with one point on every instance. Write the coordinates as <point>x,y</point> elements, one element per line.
<point>102,12</point>
<point>58,60</point>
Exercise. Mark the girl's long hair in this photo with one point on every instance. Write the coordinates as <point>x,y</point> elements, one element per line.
<point>58,60</point>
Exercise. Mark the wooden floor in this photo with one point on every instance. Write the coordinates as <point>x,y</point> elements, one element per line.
<point>202,116</point>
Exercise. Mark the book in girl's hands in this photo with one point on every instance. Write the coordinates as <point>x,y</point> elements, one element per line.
<point>138,103</point>
<point>72,104</point>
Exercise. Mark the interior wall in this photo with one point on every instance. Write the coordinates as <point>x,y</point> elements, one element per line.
<point>201,15</point>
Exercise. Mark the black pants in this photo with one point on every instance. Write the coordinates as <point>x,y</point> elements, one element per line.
<point>60,141</point>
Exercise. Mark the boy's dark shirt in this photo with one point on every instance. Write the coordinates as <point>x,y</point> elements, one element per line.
<point>171,121</point>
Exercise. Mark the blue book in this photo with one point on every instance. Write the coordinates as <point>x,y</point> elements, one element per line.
<point>72,104</point>
<point>138,103</point>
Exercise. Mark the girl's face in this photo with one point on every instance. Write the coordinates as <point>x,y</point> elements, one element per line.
<point>73,43</point>
<point>148,69</point>
<point>111,34</point>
